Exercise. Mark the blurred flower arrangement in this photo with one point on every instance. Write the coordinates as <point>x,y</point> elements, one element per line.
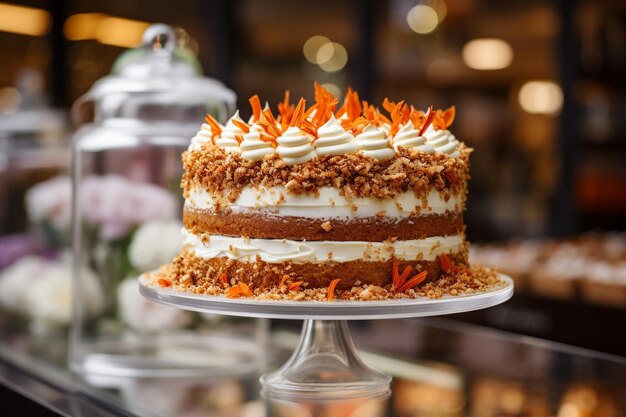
<point>132,228</point>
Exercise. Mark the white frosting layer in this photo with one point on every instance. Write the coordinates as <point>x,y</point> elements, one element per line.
<point>295,146</point>
<point>328,203</point>
<point>253,147</point>
<point>203,136</point>
<point>442,140</point>
<point>332,139</point>
<point>227,139</point>
<point>282,250</point>
<point>409,137</point>
<point>373,142</point>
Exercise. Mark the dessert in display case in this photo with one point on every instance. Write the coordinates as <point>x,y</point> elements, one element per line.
<point>326,213</point>
<point>135,123</point>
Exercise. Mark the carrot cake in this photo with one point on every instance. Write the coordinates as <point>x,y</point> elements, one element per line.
<point>328,200</point>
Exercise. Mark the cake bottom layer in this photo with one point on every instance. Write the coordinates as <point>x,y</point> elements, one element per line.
<point>368,281</point>
<point>193,270</point>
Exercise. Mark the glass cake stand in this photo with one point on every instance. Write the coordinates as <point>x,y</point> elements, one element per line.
<point>325,365</point>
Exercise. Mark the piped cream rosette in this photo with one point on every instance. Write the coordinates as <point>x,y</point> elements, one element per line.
<point>295,146</point>
<point>253,147</point>
<point>373,142</point>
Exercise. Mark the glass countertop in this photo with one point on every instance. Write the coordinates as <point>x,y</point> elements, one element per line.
<point>440,367</point>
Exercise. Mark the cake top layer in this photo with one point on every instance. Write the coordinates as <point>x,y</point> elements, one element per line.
<point>298,134</point>
<point>355,148</point>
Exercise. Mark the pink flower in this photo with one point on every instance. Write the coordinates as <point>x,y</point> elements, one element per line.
<point>112,203</point>
<point>117,204</point>
<point>50,201</point>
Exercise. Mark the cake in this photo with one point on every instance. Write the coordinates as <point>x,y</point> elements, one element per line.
<point>324,201</point>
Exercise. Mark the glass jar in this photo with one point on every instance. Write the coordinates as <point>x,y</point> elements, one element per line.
<point>127,206</point>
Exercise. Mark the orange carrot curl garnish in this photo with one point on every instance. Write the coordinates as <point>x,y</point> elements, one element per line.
<point>417,118</point>
<point>394,274</point>
<point>298,113</point>
<point>164,283</point>
<point>233,292</point>
<point>245,289</point>
<point>285,111</point>
<point>269,124</point>
<point>358,125</point>
<point>404,275</point>
<point>239,139</point>
<point>283,281</point>
<point>238,290</point>
<point>294,285</point>
<point>331,289</point>
<point>216,129</point>
<point>416,280</point>
<point>265,137</point>
<point>446,264</point>
<point>398,280</point>
<point>325,104</point>
<point>351,106</point>
<point>427,120</point>
<point>241,125</point>
<point>307,126</point>
<point>444,119</point>
<point>224,278</point>
<point>397,116</point>
<point>389,105</point>
<point>257,110</point>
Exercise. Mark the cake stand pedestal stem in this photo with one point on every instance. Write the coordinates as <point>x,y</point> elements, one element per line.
<point>325,365</point>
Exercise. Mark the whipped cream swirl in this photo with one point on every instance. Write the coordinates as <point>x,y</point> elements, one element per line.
<point>373,142</point>
<point>295,146</point>
<point>332,139</point>
<point>410,138</point>
<point>253,147</point>
<point>442,140</point>
<point>227,139</point>
<point>203,136</point>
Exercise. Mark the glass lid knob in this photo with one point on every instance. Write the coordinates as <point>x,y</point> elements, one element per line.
<point>160,37</point>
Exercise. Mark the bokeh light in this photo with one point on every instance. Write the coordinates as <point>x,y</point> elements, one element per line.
<point>541,97</point>
<point>487,54</point>
<point>332,57</point>
<point>422,19</point>
<point>312,46</point>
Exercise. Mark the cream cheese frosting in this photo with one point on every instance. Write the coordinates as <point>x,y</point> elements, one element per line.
<point>373,142</point>
<point>295,146</point>
<point>282,250</point>
<point>328,203</point>
<point>442,140</point>
<point>253,147</point>
<point>410,138</point>
<point>227,139</point>
<point>332,139</point>
<point>203,136</point>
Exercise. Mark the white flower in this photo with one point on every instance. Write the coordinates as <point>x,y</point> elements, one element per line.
<point>49,299</point>
<point>50,200</point>
<point>154,244</point>
<point>147,316</point>
<point>17,279</point>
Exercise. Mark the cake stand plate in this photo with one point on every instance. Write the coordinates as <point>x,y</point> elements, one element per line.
<point>325,365</point>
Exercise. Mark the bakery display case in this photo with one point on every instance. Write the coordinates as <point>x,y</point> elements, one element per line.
<point>539,94</point>
<point>440,367</point>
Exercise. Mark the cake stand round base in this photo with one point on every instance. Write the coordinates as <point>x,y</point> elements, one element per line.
<point>325,365</point>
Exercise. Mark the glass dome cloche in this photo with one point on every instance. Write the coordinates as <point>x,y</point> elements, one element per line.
<point>126,214</point>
